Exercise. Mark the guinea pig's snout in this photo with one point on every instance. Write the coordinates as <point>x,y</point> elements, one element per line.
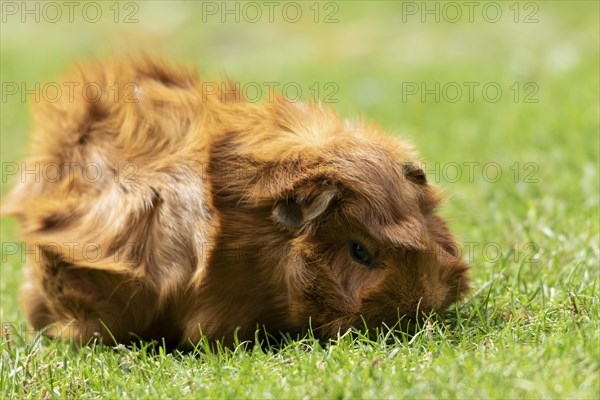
<point>418,310</point>
<point>421,297</point>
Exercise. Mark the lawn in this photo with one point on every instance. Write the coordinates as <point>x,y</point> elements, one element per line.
<point>502,102</point>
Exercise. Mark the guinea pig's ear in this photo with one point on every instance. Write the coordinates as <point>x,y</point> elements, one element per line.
<point>303,207</point>
<point>414,173</point>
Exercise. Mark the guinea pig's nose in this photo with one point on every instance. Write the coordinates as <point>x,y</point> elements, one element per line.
<point>432,294</point>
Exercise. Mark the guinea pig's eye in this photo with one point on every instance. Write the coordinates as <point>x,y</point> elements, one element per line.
<point>360,254</point>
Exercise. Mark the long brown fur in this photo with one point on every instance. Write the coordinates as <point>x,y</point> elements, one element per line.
<point>211,214</point>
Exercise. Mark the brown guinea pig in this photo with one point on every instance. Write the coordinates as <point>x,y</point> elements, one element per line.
<point>162,206</point>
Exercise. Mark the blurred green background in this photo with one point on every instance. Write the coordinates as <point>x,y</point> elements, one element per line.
<point>529,329</point>
<point>542,132</point>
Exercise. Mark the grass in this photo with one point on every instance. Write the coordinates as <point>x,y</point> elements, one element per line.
<point>530,326</point>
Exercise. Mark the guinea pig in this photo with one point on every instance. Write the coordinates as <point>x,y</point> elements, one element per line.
<point>166,207</point>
